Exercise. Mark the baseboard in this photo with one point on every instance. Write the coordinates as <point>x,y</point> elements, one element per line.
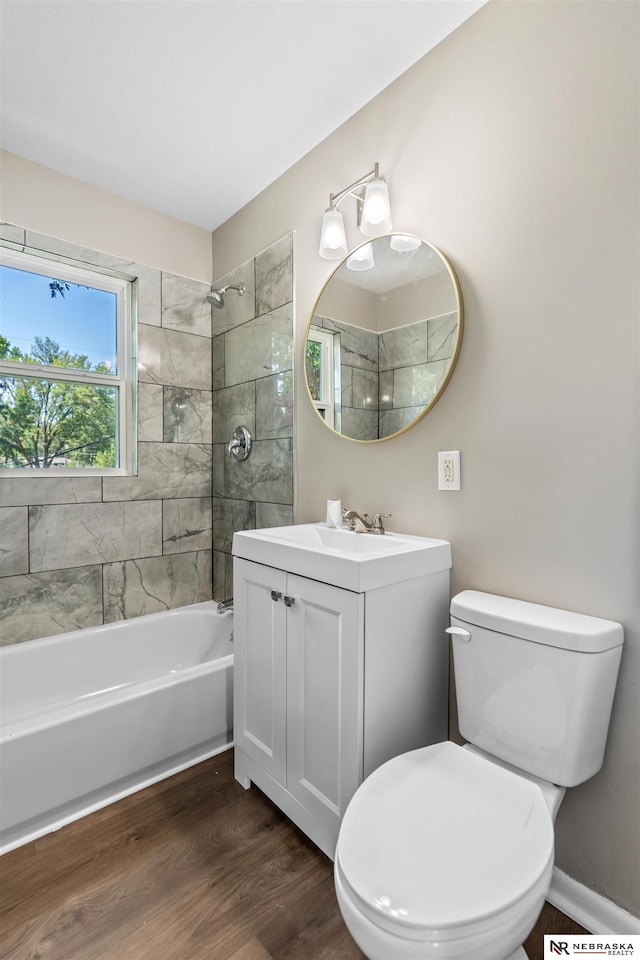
<point>592,911</point>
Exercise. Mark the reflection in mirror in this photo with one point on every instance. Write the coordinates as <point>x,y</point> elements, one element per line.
<point>383,339</point>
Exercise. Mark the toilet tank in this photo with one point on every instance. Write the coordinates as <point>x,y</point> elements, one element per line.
<point>535,684</point>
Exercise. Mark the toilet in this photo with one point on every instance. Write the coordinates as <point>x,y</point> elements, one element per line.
<point>446,852</point>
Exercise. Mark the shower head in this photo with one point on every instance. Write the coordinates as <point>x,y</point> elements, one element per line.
<point>216,297</point>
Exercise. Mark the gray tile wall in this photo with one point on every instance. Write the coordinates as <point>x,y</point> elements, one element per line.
<point>253,386</point>
<point>76,552</point>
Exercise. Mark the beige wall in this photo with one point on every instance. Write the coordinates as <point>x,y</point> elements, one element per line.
<point>48,202</point>
<point>513,147</point>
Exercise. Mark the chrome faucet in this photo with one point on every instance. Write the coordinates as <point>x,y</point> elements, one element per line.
<point>359,524</point>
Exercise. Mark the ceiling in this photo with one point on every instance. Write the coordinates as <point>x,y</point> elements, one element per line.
<point>192,107</point>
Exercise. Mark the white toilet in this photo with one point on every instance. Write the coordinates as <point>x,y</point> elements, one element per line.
<point>447,851</point>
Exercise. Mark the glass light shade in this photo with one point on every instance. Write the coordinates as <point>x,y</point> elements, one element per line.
<point>403,243</point>
<point>376,212</point>
<point>362,258</point>
<point>333,239</point>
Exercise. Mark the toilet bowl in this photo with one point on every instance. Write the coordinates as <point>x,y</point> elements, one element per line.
<point>446,853</point>
<point>443,854</point>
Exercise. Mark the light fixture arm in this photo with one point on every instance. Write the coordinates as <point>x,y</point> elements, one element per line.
<point>336,198</point>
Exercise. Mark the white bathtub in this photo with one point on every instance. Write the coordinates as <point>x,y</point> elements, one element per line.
<point>90,716</point>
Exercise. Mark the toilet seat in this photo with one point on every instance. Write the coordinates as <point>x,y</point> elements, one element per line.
<point>439,842</point>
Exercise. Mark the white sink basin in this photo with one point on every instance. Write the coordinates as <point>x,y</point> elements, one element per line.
<point>354,561</point>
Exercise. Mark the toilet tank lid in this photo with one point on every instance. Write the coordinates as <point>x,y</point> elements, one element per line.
<point>536,622</point>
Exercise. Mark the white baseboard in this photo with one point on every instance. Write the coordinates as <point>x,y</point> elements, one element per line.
<point>592,911</point>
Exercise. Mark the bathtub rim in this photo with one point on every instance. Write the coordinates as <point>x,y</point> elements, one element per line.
<point>52,639</point>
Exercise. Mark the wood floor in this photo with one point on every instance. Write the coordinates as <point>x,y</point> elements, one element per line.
<point>193,868</point>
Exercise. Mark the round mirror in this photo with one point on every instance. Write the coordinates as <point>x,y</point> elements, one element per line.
<point>383,338</point>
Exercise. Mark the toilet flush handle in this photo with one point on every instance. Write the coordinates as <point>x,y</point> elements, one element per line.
<point>459,632</point>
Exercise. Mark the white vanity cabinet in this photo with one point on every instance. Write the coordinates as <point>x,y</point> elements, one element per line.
<point>329,683</point>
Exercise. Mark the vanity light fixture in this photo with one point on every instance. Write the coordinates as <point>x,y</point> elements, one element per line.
<point>373,214</point>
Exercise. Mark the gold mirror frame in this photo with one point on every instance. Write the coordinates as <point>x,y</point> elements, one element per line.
<point>325,333</point>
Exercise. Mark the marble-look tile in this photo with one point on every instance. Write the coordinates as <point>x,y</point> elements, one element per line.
<point>44,604</point>
<point>134,588</point>
<point>391,421</point>
<point>23,491</point>
<point>404,346</point>
<point>14,540</point>
<point>441,336</point>
<point>261,347</point>
<point>217,363</point>
<point>417,385</point>
<point>273,515</point>
<point>274,406</point>
<point>184,305</point>
<point>359,388</point>
<point>220,577</point>
<point>12,232</point>
<point>150,411</point>
<point>358,347</point>
<point>147,278</point>
<point>385,390</point>
<point>219,456</point>
<point>274,275</point>
<point>228,517</point>
<point>173,358</point>
<point>186,525</point>
<point>236,309</point>
<point>359,424</point>
<point>228,573</point>
<point>233,407</point>
<point>165,471</point>
<point>187,415</point>
<point>266,475</point>
<point>75,535</point>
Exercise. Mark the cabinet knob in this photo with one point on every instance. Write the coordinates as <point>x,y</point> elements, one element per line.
<point>289,601</point>
<point>276,595</point>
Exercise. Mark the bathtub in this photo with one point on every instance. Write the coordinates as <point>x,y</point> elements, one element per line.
<point>90,716</point>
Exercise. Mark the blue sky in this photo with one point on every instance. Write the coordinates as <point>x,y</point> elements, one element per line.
<point>82,322</point>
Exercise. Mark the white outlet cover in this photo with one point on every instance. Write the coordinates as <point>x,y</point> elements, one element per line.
<point>448,470</point>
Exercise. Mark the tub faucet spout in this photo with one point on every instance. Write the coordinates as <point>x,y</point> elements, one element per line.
<point>225,606</point>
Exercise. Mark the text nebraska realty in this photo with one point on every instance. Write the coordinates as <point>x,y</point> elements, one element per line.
<point>608,949</point>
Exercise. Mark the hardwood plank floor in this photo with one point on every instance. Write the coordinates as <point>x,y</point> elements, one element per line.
<point>192,868</point>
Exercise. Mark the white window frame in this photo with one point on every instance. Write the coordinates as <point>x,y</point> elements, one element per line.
<point>326,403</point>
<point>124,381</point>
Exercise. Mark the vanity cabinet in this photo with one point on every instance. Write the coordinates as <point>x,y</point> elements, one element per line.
<point>329,683</point>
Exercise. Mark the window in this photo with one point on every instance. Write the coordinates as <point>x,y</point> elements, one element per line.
<point>67,383</point>
<point>320,372</point>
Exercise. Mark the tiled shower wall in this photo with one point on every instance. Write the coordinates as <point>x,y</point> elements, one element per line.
<point>76,552</point>
<point>253,386</point>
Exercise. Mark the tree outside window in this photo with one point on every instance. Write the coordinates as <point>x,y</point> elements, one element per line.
<point>64,393</point>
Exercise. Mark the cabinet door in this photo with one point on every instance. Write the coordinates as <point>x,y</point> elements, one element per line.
<point>260,666</point>
<point>324,696</point>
